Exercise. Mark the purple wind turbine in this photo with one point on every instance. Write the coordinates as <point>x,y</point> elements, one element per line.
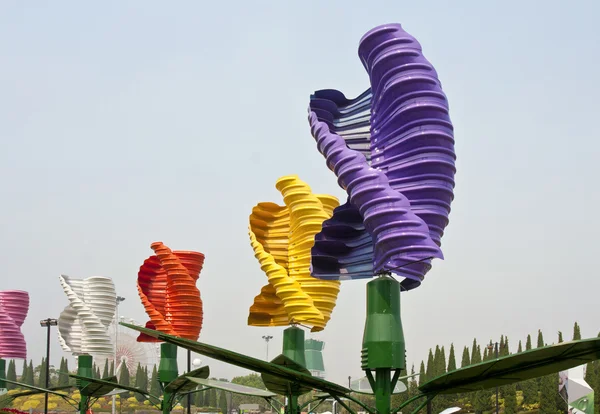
<point>392,149</point>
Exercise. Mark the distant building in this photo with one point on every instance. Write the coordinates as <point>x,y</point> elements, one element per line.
<point>313,352</point>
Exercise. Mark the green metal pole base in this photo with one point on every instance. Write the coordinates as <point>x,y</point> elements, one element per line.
<point>383,340</point>
<point>167,372</point>
<point>292,407</point>
<point>293,345</point>
<point>84,369</point>
<point>293,348</point>
<point>167,368</point>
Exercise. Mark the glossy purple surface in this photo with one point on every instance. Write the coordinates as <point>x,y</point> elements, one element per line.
<point>392,149</point>
<point>14,305</point>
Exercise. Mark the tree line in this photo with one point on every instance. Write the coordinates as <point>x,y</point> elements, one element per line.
<point>539,394</point>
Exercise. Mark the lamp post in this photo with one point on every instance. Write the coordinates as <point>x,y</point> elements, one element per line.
<point>119,299</point>
<point>490,347</point>
<point>267,338</point>
<point>47,323</point>
<point>189,368</point>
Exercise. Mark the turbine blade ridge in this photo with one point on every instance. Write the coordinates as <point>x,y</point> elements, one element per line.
<point>14,305</point>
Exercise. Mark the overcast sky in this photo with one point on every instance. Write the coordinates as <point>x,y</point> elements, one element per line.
<point>124,123</point>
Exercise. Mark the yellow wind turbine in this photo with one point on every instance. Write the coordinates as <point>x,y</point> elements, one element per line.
<point>282,237</point>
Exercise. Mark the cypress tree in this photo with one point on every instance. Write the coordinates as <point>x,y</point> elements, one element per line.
<point>98,375</point>
<point>145,387</point>
<point>548,390</point>
<point>30,374</point>
<point>105,372</point>
<point>451,359</point>
<point>23,377</point>
<point>485,353</point>
<point>223,402</point>
<point>63,378</point>
<point>67,379</point>
<point>154,385</point>
<point>474,351</point>
<point>437,359</point>
<point>112,368</point>
<point>422,374</point>
<point>501,346</point>
<point>506,349</point>
<point>466,361</point>
<point>443,361</point>
<point>212,397</point>
<point>429,371</point>
<point>530,387</point>
<point>124,377</point>
<point>11,374</point>
<point>560,338</point>
<point>509,393</point>
<point>520,348</point>
<point>139,382</point>
<point>482,401</point>
<point>476,356</point>
<point>42,377</point>
<point>576,332</point>
<point>540,339</point>
<point>199,399</point>
<point>61,368</point>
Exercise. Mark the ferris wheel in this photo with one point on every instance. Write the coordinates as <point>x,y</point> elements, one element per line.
<point>130,352</point>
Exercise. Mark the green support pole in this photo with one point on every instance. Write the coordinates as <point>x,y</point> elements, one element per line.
<point>383,340</point>
<point>84,369</point>
<point>292,407</point>
<point>167,372</point>
<point>293,344</point>
<point>293,348</point>
<point>2,374</point>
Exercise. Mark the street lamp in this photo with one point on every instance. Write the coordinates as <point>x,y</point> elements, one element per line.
<point>189,368</point>
<point>47,323</point>
<point>490,347</point>
<point>267,338</point>
<point>119,299</point>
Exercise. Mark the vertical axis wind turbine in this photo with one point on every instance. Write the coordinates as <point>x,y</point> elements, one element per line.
<point>14,305</point>
<point>392,150</point>
<point>281,237</point>
<point>83,326</point>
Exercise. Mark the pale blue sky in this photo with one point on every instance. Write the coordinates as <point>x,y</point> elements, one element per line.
<point>123,123</point>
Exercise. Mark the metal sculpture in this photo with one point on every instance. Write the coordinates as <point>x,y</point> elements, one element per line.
<point>83,326</point>
<point>167,287</point>
<point>14,305</point>
<point>83,329</point>
<point>281,237</point>
<point>392,149</point>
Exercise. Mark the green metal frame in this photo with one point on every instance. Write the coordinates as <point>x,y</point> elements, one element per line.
<point>383,359</point>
